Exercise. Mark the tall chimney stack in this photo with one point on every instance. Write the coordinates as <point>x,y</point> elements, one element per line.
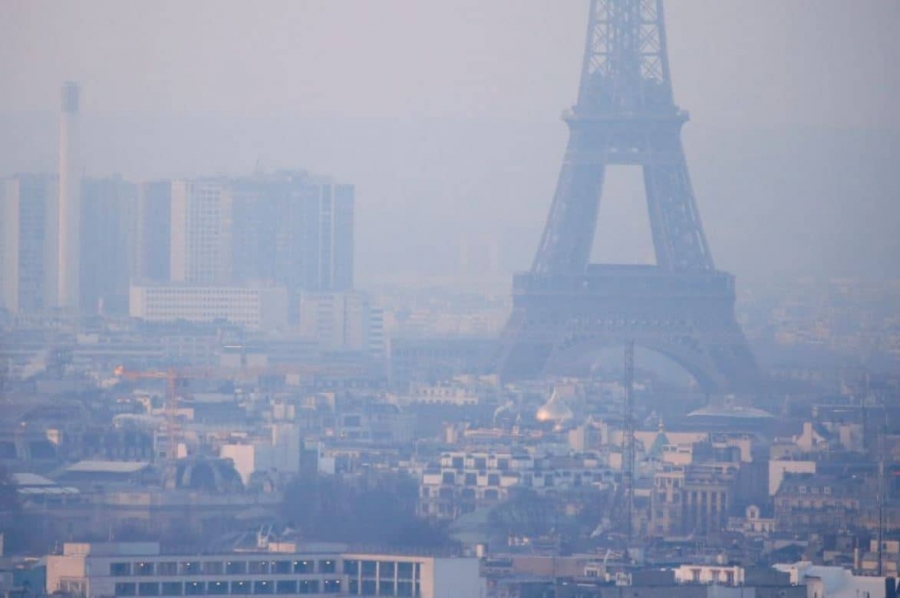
<point>69,199</point>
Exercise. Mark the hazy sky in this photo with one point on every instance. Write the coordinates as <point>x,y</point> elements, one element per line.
<point>446,114</point>
<point>768,62</point>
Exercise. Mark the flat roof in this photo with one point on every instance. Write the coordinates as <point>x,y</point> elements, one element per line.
<point>107,467</point>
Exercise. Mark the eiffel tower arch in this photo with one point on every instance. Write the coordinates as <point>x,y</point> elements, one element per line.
<point>682,307</point>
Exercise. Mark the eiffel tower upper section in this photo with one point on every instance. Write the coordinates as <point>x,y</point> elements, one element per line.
<point>625,114</point>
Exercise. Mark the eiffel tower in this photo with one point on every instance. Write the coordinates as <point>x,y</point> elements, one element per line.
<point>565,307</point>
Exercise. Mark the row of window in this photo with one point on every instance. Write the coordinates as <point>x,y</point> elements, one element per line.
<point>381,569</point>
<point>224,588</point>
<point>143,568</point>
<point>354,568</point>
<point>245,588</point>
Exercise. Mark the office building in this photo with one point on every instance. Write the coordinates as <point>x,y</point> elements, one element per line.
<point>293,230</point>
<point>153,230</point>
<point>272,568</point>
<point>28,243</point>
<point>108,223</point>
<point>257,308</point>
<point>344,321</point>
<point>69,200</point>
<point>201,227</point>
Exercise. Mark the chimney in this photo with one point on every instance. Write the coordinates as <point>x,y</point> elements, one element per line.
<point>69,199</point>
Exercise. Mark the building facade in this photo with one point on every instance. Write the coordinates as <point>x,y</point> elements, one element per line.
<point>342,321</point>
<point>152,235</point>
<point>108,226</point>
<point>259,308</point>
<point>201,229</point>
<point>271,569</point>
<point>28,243</point>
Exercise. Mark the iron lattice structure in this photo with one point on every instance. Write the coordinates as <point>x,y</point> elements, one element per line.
<point>682,307</point>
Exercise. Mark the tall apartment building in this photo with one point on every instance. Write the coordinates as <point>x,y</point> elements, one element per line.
<point>28,243</point>
<point>293,230</point>
<point>152,232</point>
<point>108,226</point>
<point>201,227</point>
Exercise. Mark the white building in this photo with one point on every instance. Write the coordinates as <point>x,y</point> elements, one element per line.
<point>261,308</point>
<point>833,582</point>
<point>278,453</point>
<point>201,229</point>
<point>274,569</point>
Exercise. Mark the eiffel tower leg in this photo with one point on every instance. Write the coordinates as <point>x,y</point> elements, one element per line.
<point>569,233</point>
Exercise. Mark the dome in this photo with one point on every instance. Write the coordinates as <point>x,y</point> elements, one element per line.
<point>206,474</point>
<point>554,410</point>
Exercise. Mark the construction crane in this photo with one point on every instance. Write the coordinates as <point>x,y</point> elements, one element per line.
<point>174,379</point>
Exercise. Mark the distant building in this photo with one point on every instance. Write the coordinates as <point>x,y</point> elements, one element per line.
<point>260,308</point>
<point>201,227</point>
<point>28,243</point>
<point>342,321</point>
<point>694,499</point>
<point>293,230</point>
<point>271,568</point>
<point>153,232</point>
<point>108,223</point>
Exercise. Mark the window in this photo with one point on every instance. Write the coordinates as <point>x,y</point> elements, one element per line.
<point>331,586</point>
<point>217,588</point>
<point>351,567</point>
<point>404,588</point>
<point>304,567</point>
<point>286,586</point>
<point>309,586</point>
<point>240,587</point>
<point>189,567</point>
<point>143,569</point>
<point>368,588</point>
<point>148,589</point>
<point>386,569</point>
<point>125,589</point>
<point>282,567</point>
<point>354,587</point>
<point>120,569</point>
<point>263,587</point>
<point>448,478</point>
<point>194,588</point>
<point>213,567</point>
<point>471,479</point>
<point>258,567</point>
<point>327,566</point>
<point>167,568</point>
<point>405,570</point>
<point>172,588</point>
<point>235,567</point>
<point>368,568</point>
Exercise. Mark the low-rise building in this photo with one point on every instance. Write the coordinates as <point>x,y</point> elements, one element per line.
<point>272,569</point>
<point>259,308</point>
